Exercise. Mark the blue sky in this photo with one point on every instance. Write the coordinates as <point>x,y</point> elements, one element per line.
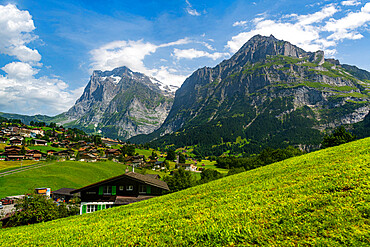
<point>48,49</point>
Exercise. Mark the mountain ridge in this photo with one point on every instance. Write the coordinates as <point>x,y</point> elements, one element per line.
<point>120,103</point>
<point>261,94</point>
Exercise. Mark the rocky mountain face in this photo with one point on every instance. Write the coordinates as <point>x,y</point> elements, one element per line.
<point>120,103</point>
<point>270,93</point>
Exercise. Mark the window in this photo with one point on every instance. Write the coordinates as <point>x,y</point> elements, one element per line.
<point>129,188</point>
<point>107,190</point>
<point>108,205</point>
<point>121,187</point>
<point>91,208</point>
<point>142,189</point>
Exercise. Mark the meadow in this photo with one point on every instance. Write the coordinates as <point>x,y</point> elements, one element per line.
<point>44,148</point>
<point>10,165</point>
<point>56,175</point>
<point>318,199</point>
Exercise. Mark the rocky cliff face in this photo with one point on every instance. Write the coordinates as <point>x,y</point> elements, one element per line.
<point>269,92</point>
<point>120,103</point>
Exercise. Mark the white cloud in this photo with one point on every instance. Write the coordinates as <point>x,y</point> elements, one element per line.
<point>20,91</point>
<point>132,54</point>
<point>15,32</point>
<point>119,53</point>
<point>351,3</point>
<point>168,76</point>
<point>345,28</point>
<point>127,53</point>
<point>326,12</point>
<point>28,95</point>
<point>19,70</point>
<point>240,23</point>
<point>310,32</point>
<point>190,10</point>
<point>193,53</point>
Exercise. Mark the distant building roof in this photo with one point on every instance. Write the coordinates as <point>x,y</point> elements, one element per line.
<point>64,191</point>
<point>155,176</point>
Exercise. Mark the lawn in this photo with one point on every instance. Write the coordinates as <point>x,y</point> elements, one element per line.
<point>318,199</point>
<point>2,146</point>
<point>9,165</point>
<point>145,152</point>
<point>44,148</point>
<point>67,174</point>
<point>207,164</point>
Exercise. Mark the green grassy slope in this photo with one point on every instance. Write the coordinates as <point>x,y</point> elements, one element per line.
<point>318,199</point>
<point>67,174</point>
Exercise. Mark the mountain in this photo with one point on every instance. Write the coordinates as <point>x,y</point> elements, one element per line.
<point>270,93</point>
<point>120,103</point>
<point>27,119</point>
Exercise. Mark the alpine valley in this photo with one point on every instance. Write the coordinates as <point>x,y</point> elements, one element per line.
<point>268,94</point>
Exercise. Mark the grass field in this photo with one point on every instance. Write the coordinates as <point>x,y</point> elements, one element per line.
<point>67,174</point>
<point>9,165</point>
<point>318,199</point>
<point>210,165</point>
<point>145,152</point>
<point>44,148</point>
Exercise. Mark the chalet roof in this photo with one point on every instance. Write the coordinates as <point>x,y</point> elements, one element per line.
<point>64,191</point>
<point>156,176</point>
<point>123,200</point>
<point>36,140</point>
<point>33,151</point>
<point>12,147</point>
<point>135,176</point>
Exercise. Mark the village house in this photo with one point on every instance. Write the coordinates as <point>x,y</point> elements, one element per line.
<point>63,195</point>
<point>34,155</point>
<point>3,139</point>
<point>39,142</point>
<point>65,153</point>
<point>188,167</point>
<point>24,132</point>
<point>112,152</point>
<point>88,157</point>
<point>109,142</point>
<point>13,153</point>
<point>50,152</point>
<point>121,190</point>
<point>16,140</point>
<point>160,165</point>
<point>38,131</point>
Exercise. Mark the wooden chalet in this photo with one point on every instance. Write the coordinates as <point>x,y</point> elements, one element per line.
<point>10,148</point>
<point>50,152</point>
<point>62,195</point>
<point>13,153</point>
<point>112,152</point>
<point>16,140</point>
<point>109,142</point>
<point>88,157</point>
<point>121,190</point>
<point>39,142</point>
<point>34,155</point>
<point>188,167</point>
<point>65,153</point>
